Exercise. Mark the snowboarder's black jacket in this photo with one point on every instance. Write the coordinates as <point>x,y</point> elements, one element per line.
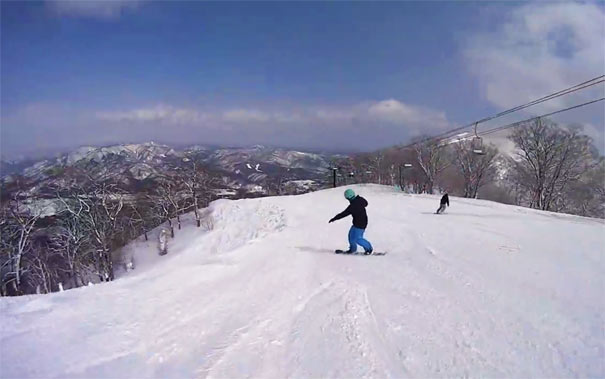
<point>445,200</point>
<point>357,209</point>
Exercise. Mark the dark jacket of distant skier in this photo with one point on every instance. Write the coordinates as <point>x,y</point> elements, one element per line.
<point>357,209</point>
<point>445,199</point>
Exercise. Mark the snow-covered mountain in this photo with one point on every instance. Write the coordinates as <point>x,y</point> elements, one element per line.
<point>130,164</point>
<point>259,162</point>
<point>484,290</point>
<point>116,161</point>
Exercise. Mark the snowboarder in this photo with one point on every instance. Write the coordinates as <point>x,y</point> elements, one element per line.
<point>357,209</point>
<point>445,199</point>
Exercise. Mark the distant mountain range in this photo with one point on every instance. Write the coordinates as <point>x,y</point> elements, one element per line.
<point>249,169</point>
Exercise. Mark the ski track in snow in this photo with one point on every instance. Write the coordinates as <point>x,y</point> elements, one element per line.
<point>483,290</point>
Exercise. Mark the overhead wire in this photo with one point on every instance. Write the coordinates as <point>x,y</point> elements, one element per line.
<point>514,124</point>
<point>566,91</point>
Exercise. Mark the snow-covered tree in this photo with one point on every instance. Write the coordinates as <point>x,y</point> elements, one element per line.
<point>17,224</point>
<point>71,241</point>
<point>163,242</point>
<point>96,207</point>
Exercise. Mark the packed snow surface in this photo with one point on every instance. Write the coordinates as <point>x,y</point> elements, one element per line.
<point>484,290</point>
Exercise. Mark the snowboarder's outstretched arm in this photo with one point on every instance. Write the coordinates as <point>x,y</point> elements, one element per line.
<point>342,214</point>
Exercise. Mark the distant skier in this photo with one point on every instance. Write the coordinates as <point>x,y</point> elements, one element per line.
<point>357,209</point>
<point>445,199</point>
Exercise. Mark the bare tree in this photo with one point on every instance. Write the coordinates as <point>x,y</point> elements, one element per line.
<point>386,167</point>
<point>196,183</point>
<point>412,176</point>
<point>97,209</point>
<point>390,167</point>
<point>548,160</point>
<point>71,241</point>
<point>139,216</point>
<point>16,227</point>
<point>376,165</point>
<point>431,161</point>
<point>475,169</point>
<point>40,274</point>
<point>160,210</point>
<point>586,196</point>
<point>167,204</point>
<point>44,265</point>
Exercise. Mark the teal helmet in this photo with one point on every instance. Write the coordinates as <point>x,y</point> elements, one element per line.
<point>350,194</point>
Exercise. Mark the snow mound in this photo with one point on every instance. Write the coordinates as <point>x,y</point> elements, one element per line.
<point>235,223</point>
<point>225,226</point>
<point>484,290</point>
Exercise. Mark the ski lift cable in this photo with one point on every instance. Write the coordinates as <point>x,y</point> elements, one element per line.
<point>577,87</point>
<point>527,105</point>
<point>508,126</point>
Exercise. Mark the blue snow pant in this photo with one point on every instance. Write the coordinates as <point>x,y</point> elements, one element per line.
<point>356,238</point>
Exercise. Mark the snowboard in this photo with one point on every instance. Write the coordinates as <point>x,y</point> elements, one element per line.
<point>360,253</point>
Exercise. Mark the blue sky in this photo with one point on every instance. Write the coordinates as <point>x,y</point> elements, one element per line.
<point>344,75</point>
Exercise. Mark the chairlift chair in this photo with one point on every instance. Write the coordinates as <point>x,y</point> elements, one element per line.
<point>477,146</point>
<point>477,143</point>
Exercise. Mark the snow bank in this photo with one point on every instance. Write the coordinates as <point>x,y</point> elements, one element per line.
<point>226,226</point>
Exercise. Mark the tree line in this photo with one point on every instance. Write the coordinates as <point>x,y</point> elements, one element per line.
<point>551,168</point>
<point>92,218</point>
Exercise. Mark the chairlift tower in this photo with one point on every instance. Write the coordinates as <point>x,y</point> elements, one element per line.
<point>402,167</point>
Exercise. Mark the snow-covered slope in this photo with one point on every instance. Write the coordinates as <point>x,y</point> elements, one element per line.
<point>485,290</point>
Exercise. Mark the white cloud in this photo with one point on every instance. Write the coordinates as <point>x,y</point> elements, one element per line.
<point>396,112</point>
<point>389,112</point>
<point>333,114</point>
<point>291,117</point>
<point>102,9</point>
<point>256,116</point>
<point>362,126</point>
<point>243,116</point>
<point>541,48</point>
<point>158,114</point>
